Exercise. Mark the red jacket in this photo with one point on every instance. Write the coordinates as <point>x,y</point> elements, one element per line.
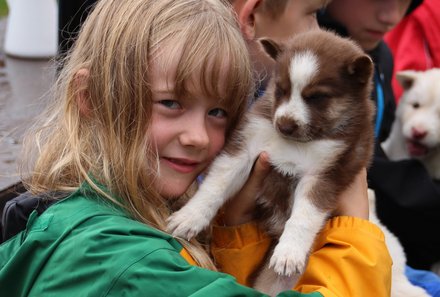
<point>415,41</point>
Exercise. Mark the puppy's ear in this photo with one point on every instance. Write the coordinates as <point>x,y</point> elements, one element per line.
<point>361,68</point>
<point>272,48</point>
<point>406,78</point>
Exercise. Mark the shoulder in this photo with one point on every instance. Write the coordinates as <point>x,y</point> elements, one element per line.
<point>94,221</point>
<point>383,57</point>
<point>91,244</point>
<point>385,52</point>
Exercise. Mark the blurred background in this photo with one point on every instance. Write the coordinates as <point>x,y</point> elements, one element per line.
<point>3,8</point>
<point>25,81</point>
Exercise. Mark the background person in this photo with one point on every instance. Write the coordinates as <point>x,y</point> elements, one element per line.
<point>407,199</point>
<point>415,41</point>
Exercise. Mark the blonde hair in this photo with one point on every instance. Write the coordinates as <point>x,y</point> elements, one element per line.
<point>275,8</point>
<point>109,144</point>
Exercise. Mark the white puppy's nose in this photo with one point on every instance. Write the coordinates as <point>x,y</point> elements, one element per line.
<point>418,133</point>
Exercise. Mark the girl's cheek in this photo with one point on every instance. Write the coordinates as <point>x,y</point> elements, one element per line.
<point>218,142</point>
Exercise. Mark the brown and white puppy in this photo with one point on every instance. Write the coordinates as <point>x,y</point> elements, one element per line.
<point>416,129</point>
<point>316,123</point>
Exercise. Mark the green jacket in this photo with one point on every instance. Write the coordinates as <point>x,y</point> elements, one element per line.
<point>83,246</point>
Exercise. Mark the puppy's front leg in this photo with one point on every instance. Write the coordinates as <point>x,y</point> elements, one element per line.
<point>306,220</point>
<point>226,177</point>
<point>271,283</point>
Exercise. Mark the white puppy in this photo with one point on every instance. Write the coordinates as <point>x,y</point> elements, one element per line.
<point>416,129</point>
<point>400,285</point>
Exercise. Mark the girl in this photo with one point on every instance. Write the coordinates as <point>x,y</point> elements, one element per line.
<point>145,101</point>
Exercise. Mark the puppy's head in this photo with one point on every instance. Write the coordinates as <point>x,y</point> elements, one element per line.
<point>419,111</point>
<point>320,88</point>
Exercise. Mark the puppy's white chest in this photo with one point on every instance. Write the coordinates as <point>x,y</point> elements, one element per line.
<point>291,157</point>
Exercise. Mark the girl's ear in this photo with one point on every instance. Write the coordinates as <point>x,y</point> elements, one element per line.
<point>246,17</point>
<point>80,83</point>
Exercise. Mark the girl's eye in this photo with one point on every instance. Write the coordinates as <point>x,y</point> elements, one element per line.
<point>218,112</point>
<point>172,104</point>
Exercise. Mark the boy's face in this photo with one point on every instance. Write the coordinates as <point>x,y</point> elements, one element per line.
<point>298,16</point>
<point>367,21</point>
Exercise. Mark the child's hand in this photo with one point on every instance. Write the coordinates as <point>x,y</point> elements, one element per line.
<point>240,208</point>
<point>354,200</point>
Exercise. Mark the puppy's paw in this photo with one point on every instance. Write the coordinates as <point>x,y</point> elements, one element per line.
<point>285,261</point>
<point>187,223</point>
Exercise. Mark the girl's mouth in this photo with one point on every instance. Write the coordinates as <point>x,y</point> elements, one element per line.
<point>181,165</point>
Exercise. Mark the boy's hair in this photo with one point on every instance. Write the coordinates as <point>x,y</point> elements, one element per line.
<point>109,145</point>
<point>275,8</point>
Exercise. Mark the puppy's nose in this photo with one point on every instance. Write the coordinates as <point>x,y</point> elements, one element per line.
<point>286,128</point>
<point>418,133</point>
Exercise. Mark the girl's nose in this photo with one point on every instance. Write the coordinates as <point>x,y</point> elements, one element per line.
<point>391,12</point>
<point>195,134</point>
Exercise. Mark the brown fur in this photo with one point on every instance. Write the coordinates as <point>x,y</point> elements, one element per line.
<point>350,116</point>
<point>343,111</point>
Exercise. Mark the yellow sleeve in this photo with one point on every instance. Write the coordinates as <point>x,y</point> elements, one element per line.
<point>349,257</point>
<point>239,250</point>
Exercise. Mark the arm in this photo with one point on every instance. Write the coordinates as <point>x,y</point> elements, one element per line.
<point>349,258</point>
<point>165,273</point>
<point>239,250</point>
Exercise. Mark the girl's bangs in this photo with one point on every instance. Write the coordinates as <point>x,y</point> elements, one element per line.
<point>215,66</point>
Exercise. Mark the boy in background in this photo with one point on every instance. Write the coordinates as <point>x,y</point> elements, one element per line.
<point>408,200</point>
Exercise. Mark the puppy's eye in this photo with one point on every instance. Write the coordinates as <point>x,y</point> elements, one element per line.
<point>279,92</point>
<point>416,105</point>
<point>316,97</point>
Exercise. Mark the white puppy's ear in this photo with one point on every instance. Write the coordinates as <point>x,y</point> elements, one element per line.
<point>272,48</point>
<point>406,78</point>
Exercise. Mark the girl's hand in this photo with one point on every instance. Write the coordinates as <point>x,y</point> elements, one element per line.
<point>353,201</point>
<point>240,208</point>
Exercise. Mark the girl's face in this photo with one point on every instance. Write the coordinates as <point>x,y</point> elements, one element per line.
<point>187,132</point>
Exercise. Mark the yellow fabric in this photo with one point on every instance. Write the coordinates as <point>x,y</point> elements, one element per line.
<point>187,256</point>
<point>239,250</point>
<point>349,257</point>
